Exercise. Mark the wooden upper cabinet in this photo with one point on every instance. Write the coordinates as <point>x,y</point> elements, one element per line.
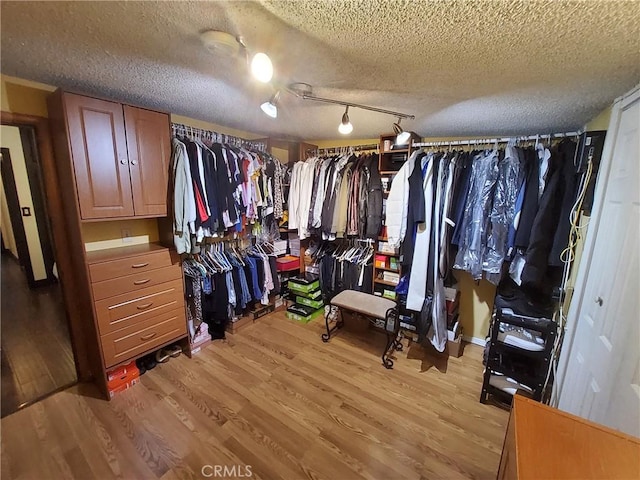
<point>99,153</point>
<point>119,156</point>
<point>149,151</point>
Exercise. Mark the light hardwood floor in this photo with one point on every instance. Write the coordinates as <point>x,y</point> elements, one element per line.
<point>278,399</point>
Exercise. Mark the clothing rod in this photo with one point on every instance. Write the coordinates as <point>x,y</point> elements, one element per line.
<point>371,146</point>
<point>477,141</point>
<point>223,138</point>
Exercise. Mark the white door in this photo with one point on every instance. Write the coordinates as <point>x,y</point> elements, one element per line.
<point>600,365</point>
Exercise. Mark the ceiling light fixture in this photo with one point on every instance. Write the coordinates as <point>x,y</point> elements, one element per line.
<point>226,44</point>
<point>345,127</point>
<point>271,107</point>
<point>261,67</point>
<point>402,137</point>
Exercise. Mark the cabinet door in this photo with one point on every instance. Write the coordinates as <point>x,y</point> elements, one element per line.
<point>99,152</point>
<point>149,147</point>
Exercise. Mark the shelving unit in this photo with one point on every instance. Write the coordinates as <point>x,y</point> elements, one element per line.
<point>391,159</point>
<point>380,283</point>
<point>527,367</point>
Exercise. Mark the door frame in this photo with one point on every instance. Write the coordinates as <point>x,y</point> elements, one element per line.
<point>61,237</point>
<point>578,297</point>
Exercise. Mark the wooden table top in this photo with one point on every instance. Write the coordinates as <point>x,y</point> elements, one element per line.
<point>554,444</point>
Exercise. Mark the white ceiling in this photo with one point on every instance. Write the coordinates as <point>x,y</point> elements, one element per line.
<point>461,67</point>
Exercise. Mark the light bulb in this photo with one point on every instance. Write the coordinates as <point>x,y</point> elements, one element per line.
<point>270,109</point>
<point>345,128</point>
<point>403,138</point>
<point>261,67</point>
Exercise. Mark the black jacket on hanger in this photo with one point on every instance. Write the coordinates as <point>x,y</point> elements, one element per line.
<point>374,199</point>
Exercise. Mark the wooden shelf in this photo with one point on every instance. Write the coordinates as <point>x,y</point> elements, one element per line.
<point>384,282</point>
<point>395,270</point>
<point>397,150</point>
<point>388,254</point>
<point>389,172</point>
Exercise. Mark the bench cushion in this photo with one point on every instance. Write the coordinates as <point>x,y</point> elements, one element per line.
<point>363,303</point>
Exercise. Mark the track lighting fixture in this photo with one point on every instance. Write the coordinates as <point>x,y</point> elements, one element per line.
<point>305,91</point>
<point>345,127</point>
<point>402,137</point>
<point>271,107</point>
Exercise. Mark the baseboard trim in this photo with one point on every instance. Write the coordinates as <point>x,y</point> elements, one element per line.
<point>474,340</point>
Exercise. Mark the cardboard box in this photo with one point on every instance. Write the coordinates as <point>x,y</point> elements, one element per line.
<point>299,285</point>
<point>455,347</point>
<point>122,387</point>
<point>287,263</point>
<point>305,318</point>
<point>123,373</point>
<point>391,294</point>
<point>309,302</point>
<point>121,378</point>
<point>391,277</point>
<point>393,263</point>
<point>451,293</point>
<point>387,247</point>
<point>381,261</point>
<point>280,247</point>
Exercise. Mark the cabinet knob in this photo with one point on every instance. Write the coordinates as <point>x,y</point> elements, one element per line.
<point>123,161</point>
<point>134,162</point>
<point>599,301</point>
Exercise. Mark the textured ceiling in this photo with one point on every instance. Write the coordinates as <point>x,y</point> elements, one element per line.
<point>461,67</point>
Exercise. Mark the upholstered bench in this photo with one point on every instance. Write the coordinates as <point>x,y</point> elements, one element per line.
<point>375,308</point>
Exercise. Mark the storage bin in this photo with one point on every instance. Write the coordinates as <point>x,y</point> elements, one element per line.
<point>299,285</point>
<point>309,302</point>
<point>391,277</point>
<point>381,261</point>
<point>287,263</point>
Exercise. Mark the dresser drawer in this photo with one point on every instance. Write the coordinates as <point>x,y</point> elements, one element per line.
<point>126,266</point>
<point>129,309</point>
<point>124,344</point>
<point>134,283</point>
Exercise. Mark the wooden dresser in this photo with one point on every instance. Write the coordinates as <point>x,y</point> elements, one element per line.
<point>138,300</point>
<point>546,443</point>
<point>113,165</point>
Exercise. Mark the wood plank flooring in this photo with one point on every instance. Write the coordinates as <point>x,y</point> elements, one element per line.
<point>276,398</point>
<point>36,355</point>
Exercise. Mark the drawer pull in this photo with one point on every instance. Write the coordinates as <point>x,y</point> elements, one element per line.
<point>139,265</point>
<point>146,305</point>
<point>149,336</point>
<point>142,282</point>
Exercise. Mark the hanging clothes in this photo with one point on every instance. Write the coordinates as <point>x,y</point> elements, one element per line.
<point>475,223</point>
<point>336,197</point>
<point>219,188</point>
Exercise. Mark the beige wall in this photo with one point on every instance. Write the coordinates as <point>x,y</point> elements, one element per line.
<point>600,121</point>
<point>10,138</point>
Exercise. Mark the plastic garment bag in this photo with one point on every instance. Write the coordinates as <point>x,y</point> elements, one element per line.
<point>510,178</point>
<point>476,214</point>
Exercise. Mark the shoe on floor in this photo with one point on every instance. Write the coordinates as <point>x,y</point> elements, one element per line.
<point>162,356</point>
<point>150,362</point>
<point>507,384</point>
<point>173,350</point>
<point>141,366</point>
<point>522,339</point>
